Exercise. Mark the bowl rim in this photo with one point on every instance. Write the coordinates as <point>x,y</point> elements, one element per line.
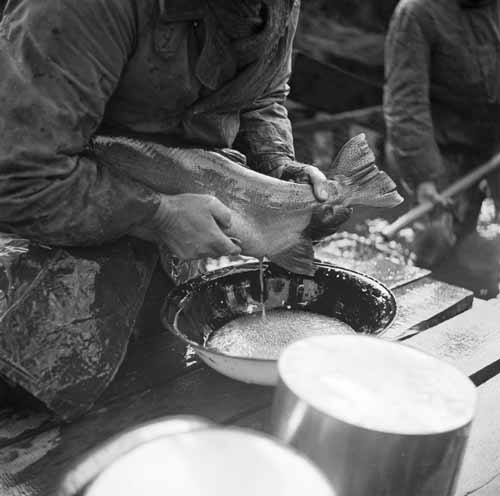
<point>247,267</point>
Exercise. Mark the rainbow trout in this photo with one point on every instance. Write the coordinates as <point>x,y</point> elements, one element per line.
<point>270,217</point>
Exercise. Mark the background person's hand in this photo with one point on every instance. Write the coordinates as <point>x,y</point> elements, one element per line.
<point>191,226</point>
<point>427,192</point>
<point>301,173</point>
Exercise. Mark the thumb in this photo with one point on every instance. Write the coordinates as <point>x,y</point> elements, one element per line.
<point>221,214</point>
<point>319,183</point>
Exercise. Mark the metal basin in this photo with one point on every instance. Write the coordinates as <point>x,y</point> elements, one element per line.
<point>195,309</point>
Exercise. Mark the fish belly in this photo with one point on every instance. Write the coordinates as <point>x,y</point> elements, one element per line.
<point>269,215</point>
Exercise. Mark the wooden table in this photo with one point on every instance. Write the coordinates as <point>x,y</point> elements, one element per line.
<point>158,379</point>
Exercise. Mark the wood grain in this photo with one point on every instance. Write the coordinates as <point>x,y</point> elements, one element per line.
<point>34,466</point>
<point>480,474</point>
<point>470,341</point>
<point>426,303</point>
<point>158,379</point>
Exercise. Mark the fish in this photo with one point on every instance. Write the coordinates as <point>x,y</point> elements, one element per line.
<point>271,217</point>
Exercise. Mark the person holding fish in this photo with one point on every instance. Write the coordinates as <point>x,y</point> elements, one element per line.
<point>144,118</point>
<point>442,109</point>
<point>209,74</point>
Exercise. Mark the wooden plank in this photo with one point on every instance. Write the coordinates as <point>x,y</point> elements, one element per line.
<point>469,341</point>
<point>490,488</point>
<point>392,274</point>
<point>257,419</point>
<point>156,379</point>
<point>480,474</point>
<point>385,262</point>
<point>17,424</point>
<point>426,303</point>
<point>34,466</point>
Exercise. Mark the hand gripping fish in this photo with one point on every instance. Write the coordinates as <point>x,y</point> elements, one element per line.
<point>270,217</point>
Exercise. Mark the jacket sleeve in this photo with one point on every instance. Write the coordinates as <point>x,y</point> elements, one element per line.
<point>59,63</point>
<point>410,132</point>
<point>265,134</point>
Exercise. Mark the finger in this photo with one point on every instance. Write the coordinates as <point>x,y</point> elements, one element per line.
<point>433,198</point>
<point>319,183</point>
<point>222,245</point>
<point>220,213</point>
<point>185,252</point>
<point>445,202</point>
<point>277,172</point>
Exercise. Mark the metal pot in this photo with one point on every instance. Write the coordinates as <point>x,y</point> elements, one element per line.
<point>194,310</point>
<point>209,460</point>
<point>380,418</point>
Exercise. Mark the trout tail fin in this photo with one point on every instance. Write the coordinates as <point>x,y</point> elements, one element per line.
<point>361,181</point>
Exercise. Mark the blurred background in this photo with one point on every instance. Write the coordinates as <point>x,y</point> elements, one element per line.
<point>336,93</point>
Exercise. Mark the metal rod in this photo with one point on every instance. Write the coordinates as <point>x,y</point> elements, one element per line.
<point>457,187</point>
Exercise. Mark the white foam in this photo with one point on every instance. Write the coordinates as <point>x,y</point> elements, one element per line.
<point>378,385</point>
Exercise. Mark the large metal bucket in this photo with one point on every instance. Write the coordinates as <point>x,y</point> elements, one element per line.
<point>380,418</point>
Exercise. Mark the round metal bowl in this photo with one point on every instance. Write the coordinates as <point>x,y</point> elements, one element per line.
<point>195,309</point>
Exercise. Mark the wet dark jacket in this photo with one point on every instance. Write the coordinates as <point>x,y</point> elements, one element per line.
<point>71,68</point>
<point>442,87</point>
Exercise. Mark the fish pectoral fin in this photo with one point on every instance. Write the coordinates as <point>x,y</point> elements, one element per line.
<point>297,259</point>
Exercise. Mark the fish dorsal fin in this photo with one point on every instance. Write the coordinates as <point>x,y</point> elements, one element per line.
<point>298,258</point>
<point>363,182</point>
<point>100,144</point>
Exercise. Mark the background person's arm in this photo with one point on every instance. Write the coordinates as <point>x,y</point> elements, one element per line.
<point>59,64</point>
<point>410,131</point>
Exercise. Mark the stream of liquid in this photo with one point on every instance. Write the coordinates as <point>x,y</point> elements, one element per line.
<point>261,280</point>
